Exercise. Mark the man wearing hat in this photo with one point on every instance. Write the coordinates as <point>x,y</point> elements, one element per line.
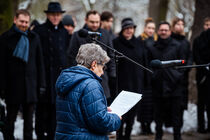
<point>69,25</point>
<point>54,41</point>
<point>130,76</point>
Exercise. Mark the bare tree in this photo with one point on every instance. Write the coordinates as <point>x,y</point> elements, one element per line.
<point>158,9</point>
<point>7,11</point>
<point>202,10</point>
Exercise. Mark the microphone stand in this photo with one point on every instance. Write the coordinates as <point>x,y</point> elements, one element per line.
<point>122,55</point>
<point>192,66</point>
<point>117,56</point>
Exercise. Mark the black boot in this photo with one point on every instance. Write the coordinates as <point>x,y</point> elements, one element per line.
<point>148,129</point>
<point>177,137</point>
<point>143,129</point>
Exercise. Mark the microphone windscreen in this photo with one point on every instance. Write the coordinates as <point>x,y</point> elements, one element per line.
<point>83,33</point>
<point>155,63</point>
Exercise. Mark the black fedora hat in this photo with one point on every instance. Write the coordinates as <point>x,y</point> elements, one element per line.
<point>54,7</point>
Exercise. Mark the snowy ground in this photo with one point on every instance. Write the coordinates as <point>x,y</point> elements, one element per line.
<point>190,123</point>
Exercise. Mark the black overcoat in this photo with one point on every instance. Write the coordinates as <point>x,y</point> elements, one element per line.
<point>21,81</point>
<point>130,75</point>
<point>166,81</point>
<point>187,53</point>
<point>54,41</point>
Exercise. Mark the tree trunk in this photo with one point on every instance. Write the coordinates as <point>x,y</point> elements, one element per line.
<point>202,10</point>
<point>7,12</point>
<point>158,10</point>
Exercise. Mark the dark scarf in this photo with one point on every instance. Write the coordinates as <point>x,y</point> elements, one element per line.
<point>22,48</point>
<point>128,43</point>
<point>162,43</point>
<point>177,36</point>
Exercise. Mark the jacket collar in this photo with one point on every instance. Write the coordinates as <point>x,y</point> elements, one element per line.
<point>12,32</point>
<point>51,26</point>
<point>87,28</point>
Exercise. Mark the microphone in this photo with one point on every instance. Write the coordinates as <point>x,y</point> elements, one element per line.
<point>164,64</point>
<point>85,33</point>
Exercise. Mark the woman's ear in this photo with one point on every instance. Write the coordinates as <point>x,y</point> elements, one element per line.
<point>93,65</point>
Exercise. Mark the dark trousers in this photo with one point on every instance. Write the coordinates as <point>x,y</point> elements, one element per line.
<point>12,110</point>
<point>203,104</point>
<point>127,119</point>
<point>168,108</point>
<point>45,122</point>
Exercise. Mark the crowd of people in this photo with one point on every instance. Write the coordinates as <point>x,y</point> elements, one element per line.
<point>53,71</point>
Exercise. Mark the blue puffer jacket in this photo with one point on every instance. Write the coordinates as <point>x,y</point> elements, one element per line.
<point>71,124</point>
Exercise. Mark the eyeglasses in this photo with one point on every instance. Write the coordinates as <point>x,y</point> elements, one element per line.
<point>103,65</point>
<point>162,30</point>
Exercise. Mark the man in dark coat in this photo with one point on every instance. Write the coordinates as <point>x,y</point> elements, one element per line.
<point>69,25</point>
<point>107,19</point>
<point>54,40</point>
<point>92,23</point>
<point>130,76</point>
<point>201,56</point>
<point>106,24</point>
<point>166,82</point>
<point>22,73</point>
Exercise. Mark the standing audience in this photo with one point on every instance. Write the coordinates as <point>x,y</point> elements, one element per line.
<point>107,20</point>
<point>130,76</point>
<point>106,24</point>
<point>54,40</point>
<point>22,79</point>
<point>166,84</point>
<point>145,110</point>
<point>201,56</point>
<point>69,24</point>
<point>179,34</point>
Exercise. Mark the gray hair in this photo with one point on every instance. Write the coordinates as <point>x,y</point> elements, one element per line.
<point>91,52</point>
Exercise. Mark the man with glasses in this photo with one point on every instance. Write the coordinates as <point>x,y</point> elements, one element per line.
<point>166,82</point>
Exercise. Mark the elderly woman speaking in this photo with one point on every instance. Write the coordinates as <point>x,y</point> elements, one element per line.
<point>81,108</point>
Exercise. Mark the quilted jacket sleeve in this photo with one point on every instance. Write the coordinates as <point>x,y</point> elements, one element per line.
<point>95,110</point>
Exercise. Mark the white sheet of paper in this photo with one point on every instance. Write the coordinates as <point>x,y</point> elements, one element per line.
<point>124,102</point>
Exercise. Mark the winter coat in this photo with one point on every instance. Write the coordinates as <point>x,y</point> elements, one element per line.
<point>130,76</point>
<point>166,81</point>
<point>201,51</point>
<point>186,50</point>
<point>145,106</point>
<point>77,41</point>
<point>81,108</point>
<point>54,45</point>
<point>21,81</point>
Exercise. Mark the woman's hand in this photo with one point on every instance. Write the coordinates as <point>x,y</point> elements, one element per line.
<point>110,110</point>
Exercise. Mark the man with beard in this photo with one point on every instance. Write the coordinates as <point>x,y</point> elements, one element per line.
<point>130,76</point>
<point>166,86</point>
<point>54,40</point>
<point>21,74</point>
<point>92,23</point>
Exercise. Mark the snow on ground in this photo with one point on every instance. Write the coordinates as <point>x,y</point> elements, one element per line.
<point>190,124</point>
<point>190,121</point>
